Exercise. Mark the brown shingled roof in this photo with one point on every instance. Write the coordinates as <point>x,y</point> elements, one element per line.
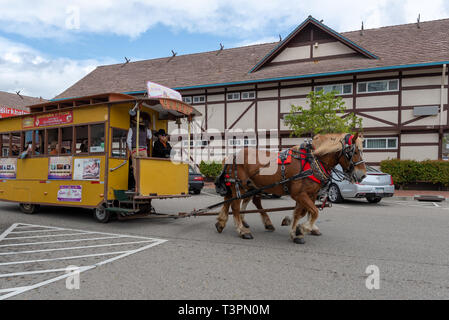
<point>395,45</point>
<point>12,100</point>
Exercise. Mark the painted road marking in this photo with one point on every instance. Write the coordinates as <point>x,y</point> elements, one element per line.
<point>45,247</point>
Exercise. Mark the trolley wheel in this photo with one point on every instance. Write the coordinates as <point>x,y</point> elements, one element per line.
<point>29,208</point>
<point>101,215</point>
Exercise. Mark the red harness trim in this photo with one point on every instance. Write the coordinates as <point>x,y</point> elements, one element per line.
<point>304,163</point>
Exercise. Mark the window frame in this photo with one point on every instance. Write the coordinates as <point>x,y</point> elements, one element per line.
<point>248,92</point>
<point>336,84</point>
<point>186,98</point>
<point>111,155</point>
<point>366,139</point>
<point>237,93</point>
<point>199,97</point>
<point>373,81</point>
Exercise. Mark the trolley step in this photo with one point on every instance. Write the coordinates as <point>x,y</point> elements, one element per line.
<point>120,210</point>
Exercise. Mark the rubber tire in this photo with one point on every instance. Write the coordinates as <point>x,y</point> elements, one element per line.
<point>337,196</point>
<point>373,199</point>
<point>29,208</point>
<point>197,191</point>
<point>101,215</point>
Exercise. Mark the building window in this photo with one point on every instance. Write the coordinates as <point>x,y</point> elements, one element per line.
<point>378,86</point>
<point>199,99</point>
<point>187,99</point>
<point>380,143</point>
<point>249,142</point>
<point>341,89</point>
<point>232,96</point>
<point>235,142</point>
<point>248,95</point>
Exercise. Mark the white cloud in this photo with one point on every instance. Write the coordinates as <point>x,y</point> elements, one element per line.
<point>242,19</point>
<point>25,69</point>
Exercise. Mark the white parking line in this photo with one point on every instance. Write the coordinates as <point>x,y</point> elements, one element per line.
<point>74,248</point>
<point>147,242</point>
<point>58,241</point>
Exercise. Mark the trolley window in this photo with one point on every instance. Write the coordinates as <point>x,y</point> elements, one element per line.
<point>96,138</point>
<point>5,144</point>
<point>15,144</point>
<point>82,136</point>
<point>66,140</point>
<point>52,142</point>
<point>39,147</point>
<point>118,149</point>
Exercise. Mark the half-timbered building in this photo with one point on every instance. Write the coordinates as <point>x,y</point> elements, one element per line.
<point>395,78</point>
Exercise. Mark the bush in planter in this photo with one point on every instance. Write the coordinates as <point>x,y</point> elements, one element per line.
<point>211,169</point>
<point>410,171</point>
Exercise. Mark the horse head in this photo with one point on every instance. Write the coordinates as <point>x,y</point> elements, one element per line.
<point>351,157</point>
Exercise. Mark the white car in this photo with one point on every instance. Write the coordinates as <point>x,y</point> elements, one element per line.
<point>374,187</point>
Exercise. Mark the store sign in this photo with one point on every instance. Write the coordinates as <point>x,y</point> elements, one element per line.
<point>6,112</point>
<point>157,91</point>
<point>177,106</point>
<point>49,119</point>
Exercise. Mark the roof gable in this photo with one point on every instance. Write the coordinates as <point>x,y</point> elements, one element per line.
<point>312,40</point>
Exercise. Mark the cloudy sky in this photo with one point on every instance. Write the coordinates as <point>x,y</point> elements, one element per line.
<point>47,45</point>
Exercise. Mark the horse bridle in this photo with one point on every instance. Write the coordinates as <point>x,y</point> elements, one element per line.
<point>348,151</point>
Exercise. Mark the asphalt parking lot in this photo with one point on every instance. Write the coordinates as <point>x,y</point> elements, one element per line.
<point>187,259</point>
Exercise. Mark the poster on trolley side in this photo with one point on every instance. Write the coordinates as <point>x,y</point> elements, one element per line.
<point>60,168</point>
<point>87,169</point>
<point>8,168</point>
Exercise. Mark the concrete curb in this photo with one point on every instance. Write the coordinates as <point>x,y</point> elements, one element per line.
<point>400,198</point>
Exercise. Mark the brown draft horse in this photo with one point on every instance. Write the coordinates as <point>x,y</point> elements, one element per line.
<point>329,150</point>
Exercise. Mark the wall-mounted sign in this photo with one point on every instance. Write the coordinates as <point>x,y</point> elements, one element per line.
<point>70,193</point>
<point>49,119</point>
<point>157,91</point>
<point>60,168</point>
<point>8,168</point>
<point>87,169</point>
<point>10,112</point>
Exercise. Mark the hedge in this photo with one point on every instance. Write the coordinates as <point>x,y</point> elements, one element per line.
<point>210,169</point>
<point>410,171</point>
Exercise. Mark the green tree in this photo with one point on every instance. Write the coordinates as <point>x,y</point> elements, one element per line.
<point>323,116</point>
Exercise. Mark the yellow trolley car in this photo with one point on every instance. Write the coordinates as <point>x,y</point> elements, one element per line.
<point>73,153</point>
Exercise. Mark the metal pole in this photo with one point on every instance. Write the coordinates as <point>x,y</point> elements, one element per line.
<point>440,133</point>
<point>188,141</point>
<point>137,130</point>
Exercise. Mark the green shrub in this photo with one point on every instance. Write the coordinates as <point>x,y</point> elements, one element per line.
<point>410,171</point>
<point>210,169</point>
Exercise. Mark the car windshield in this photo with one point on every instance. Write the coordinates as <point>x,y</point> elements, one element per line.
<point>371,169</point>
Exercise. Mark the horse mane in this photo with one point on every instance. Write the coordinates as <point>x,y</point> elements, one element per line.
<point>331,143</point>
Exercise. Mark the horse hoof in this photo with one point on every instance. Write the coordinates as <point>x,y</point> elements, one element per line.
<point>245,224</point>
<point>316,233</point>
<point>299,241</point>
<point>269,227</point>
<point>247,236</point>
<point>286,221</point>
<point>219,227</point>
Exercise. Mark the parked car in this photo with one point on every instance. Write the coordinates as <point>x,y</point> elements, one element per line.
<point>196,181</point>
<point>374,187</point>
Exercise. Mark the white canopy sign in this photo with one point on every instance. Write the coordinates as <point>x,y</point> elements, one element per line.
<point>157,91</point>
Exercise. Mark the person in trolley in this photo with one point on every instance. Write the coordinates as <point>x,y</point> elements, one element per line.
<point>145,136</point>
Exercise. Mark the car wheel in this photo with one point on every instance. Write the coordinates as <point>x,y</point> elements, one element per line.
<point>101,215</point>
<point>373,199</point>
<point>29,208</point>
<point>197,191</point>
<point>334,194</point>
